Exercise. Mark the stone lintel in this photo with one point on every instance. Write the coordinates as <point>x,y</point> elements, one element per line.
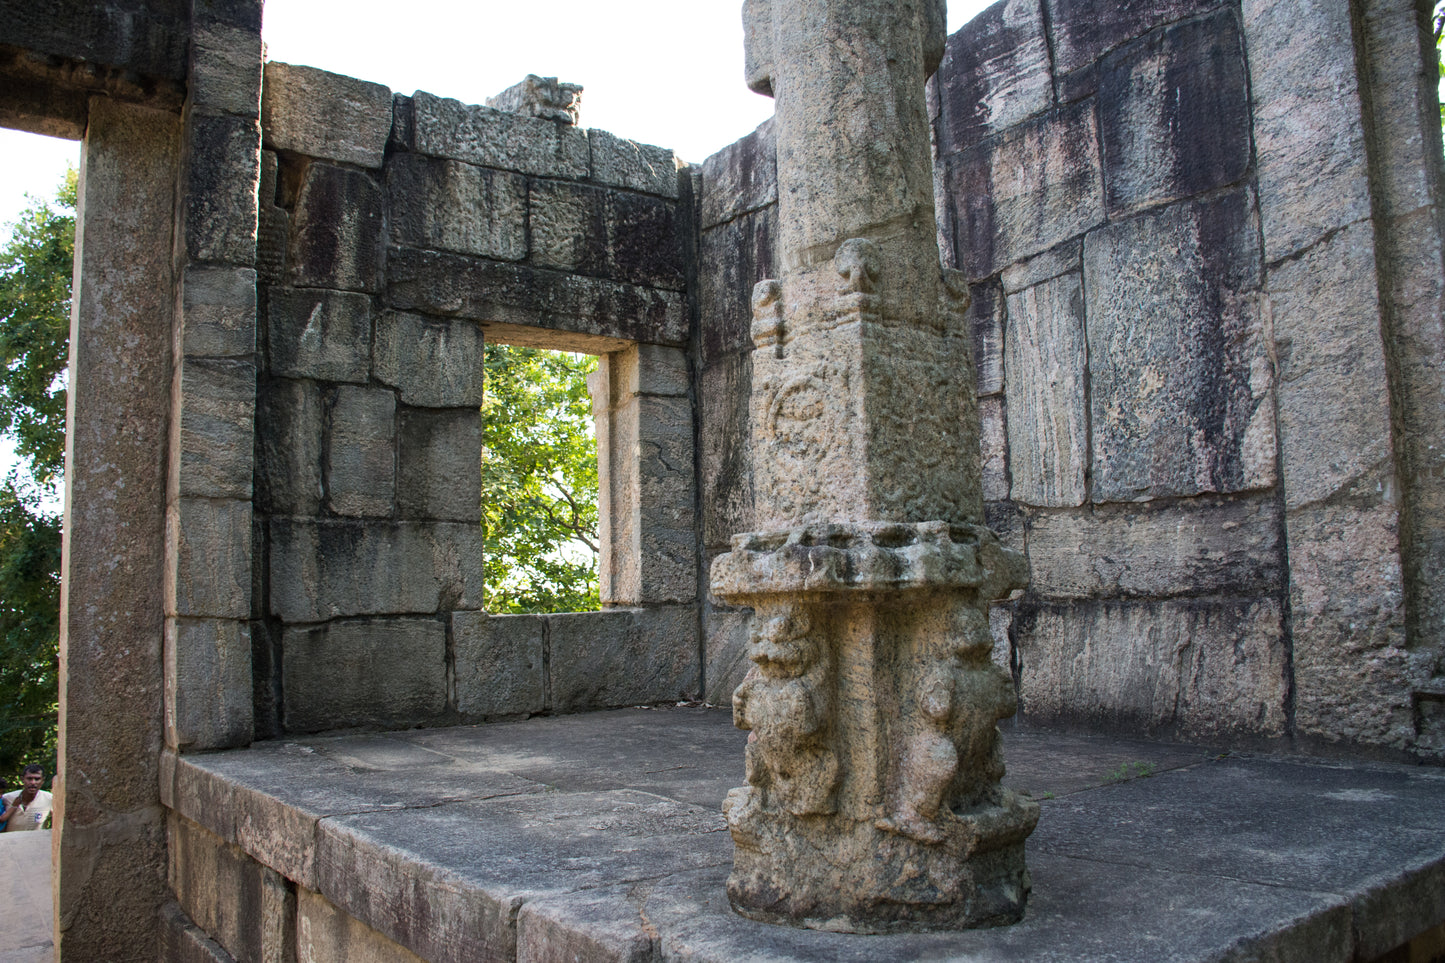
<point>867,558</point>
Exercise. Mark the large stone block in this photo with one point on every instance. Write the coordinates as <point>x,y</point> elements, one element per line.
<point>1046,402</point>
<point>328,569</point>
<point>740,178</point>
<point>993,440</point>
<point>1174,114</point>
<point>666,537</point>
<point>273,227</point>
<point>1199,547</point>
<point>450,206</point>
<point>213,424</point>
<point>727,476</point>
<point>360,451</point>
<point>377,672</point>
<point>1082,31</point>
<point>208,684</point>
<point>325,934</point>
<point>1308,122</point>
<point>324,115</point>
<point>1334,408</point>
<point>1181,381</point>
<point>228,894</point>
<point>314,333</point>
<point>1204,667</point>
<point>208,548</point>
<point>433,362</point>
<point>289,420</point>
<point>725,649</point>
<point>222,169</point>
<point>1352,671</point>
<point>218,312</point>
<point>619,162</point>
<point>500,662</point>
<point>623,657</point>
<point>605,233</point>
<point>181,941</point>
<point>995,73</point>
<point>1063,259</point>
<point>225,67</point>
<point>731,259</point>
<point>508,294</point>
<point>439,464</point>
<point>494,138</point>
<point>654,369</point>
<point>986,311</point>
<point>1036,186</point>
<point>337,239</point>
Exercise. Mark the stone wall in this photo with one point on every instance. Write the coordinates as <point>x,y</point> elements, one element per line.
<point>1204,381</point>
<point>397,235</point>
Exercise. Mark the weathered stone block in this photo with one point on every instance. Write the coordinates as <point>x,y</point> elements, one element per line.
<point>993,435</point>
<point>725,647</point>
<point>360,457</point>
<point>740,178</point>
<point>727,477</point>
<point>213,424</point>
<point>1180,378</point>
<point>382,672</point>
<point>434,363</point>
<point>336,231</point>
<point>1308,122</point>
<point>222,169</point>
<point>319,334</point>
<point>1048,433</point>
<point>273,227</point>
<point>208,684</point>
<point>1036,186</point>
<point>328,569</point>
<point>1334,413</point>
<point>1174,114</point>
<point>731,259</point>
<point>289,418</point>
<point>218,312</point>
<point>1083,31</point>
<point>499,663</point>
<point>510,294</point>
<point>181,941</point>
<point>986,310</point>
<point>666,538</point>
<point>439,464</point>
<point>325,115</point>
<point>618,162</point>
<point>995,74</point>
<point>208,545</point>
<point>606,233</point>
<point>449,206</point>
<point>543,97</point>
<point>585,925</point>
<point>1198,547</point>
<point>1063,259</point>
<point>1207,666</point>
<point>623,657</point>
<point>1352,672</point>
<point>225,68</point>
<point>496,138</point>
<point>654,369</point>
<point>325,934</point>
<point>221,888</point>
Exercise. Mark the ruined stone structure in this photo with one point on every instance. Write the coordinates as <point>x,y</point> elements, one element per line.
<point>1197,254</point>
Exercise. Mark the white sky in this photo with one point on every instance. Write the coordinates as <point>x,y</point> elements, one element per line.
<point>658,71</point>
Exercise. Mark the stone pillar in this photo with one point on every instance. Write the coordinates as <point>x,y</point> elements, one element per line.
<point>872,801</point>
<point>110,837</point>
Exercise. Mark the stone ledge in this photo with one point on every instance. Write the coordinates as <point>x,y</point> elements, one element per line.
<point>599,837</point>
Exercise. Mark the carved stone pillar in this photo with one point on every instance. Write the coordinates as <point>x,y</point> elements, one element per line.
<point>872,801</point>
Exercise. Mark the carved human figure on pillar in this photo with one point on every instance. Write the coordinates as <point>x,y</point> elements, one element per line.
<point>785,702</point>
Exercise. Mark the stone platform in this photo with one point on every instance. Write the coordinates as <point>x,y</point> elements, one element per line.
<point>599,837</point>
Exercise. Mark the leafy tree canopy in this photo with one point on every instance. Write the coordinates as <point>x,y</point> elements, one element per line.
<point>35,269</point>
<point>539,482</point>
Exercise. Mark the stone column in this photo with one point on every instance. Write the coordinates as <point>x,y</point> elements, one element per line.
<point>872,801</point>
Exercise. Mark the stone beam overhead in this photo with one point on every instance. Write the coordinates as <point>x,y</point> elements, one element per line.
<point>873,801</point>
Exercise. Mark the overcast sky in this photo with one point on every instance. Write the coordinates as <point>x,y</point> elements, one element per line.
<point>658,71</point>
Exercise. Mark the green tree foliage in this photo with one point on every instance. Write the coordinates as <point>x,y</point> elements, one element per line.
<point>539,482</point>
<point>35,268</point>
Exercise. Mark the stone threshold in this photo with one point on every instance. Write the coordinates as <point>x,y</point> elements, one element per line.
<point>599,837</point>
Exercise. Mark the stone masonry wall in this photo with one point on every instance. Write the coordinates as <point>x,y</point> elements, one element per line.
<point>397,235</point>
<point>1175,217</point>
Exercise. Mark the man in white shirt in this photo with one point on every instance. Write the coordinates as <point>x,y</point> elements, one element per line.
<point>27,808</point>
